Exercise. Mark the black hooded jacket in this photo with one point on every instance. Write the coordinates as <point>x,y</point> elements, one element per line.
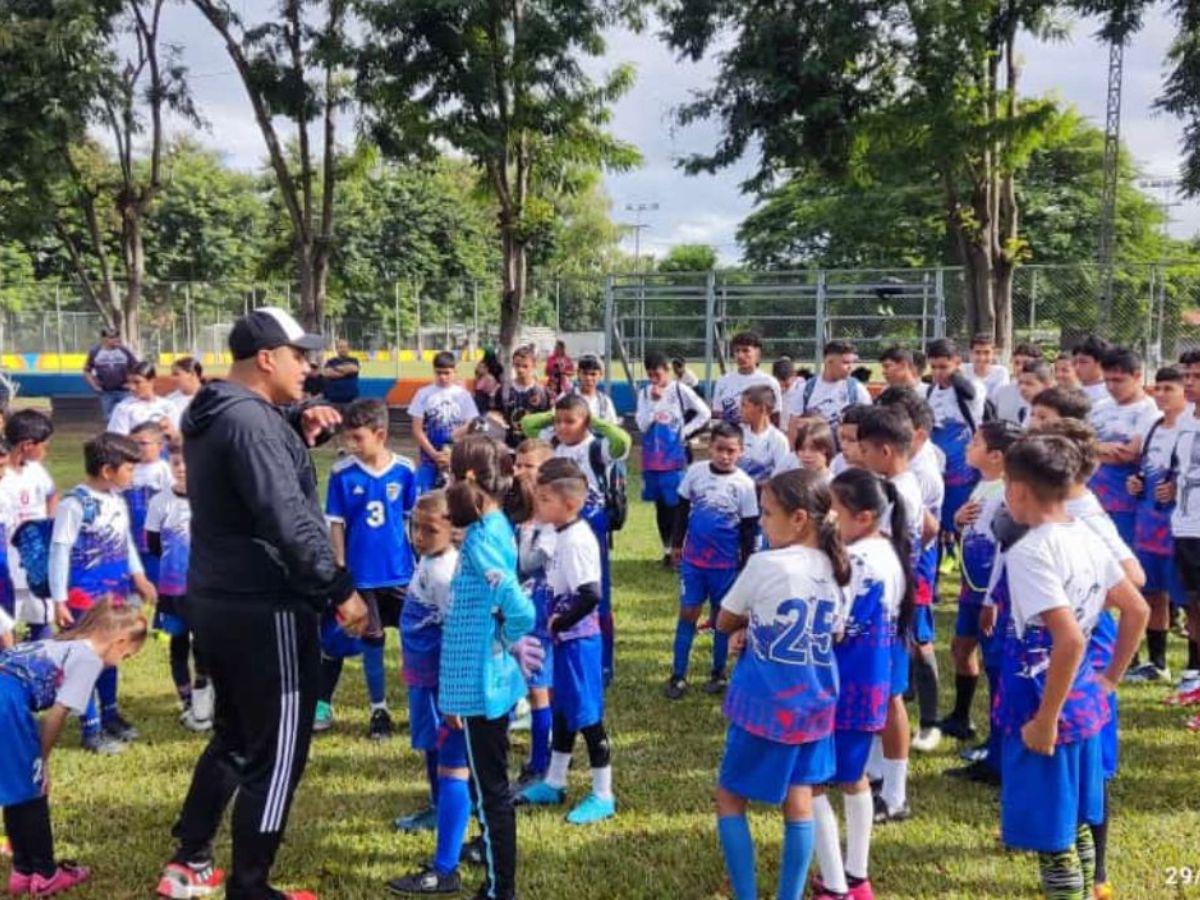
<point>257,528</point>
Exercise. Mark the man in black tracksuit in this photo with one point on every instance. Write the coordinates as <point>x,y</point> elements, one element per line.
<point>261,571</point>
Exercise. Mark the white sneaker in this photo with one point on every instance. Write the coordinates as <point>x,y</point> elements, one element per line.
<point>189,720</point>
<point>202,703</point>
<point>1147,672</point>
<point>927,739</point>
<point>1189,679</point>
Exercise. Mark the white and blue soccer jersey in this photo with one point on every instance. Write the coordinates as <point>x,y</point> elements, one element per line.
<point>103,555</point>
<point>170,516</point>
<point>993,379</point>
<point>909,489</point>
<point>764,454</point>
<point>374,508</point>
<point>575,563</point>
<point>928,464</point>
<point>149,479</point>
<point>1119,424</point>
<point>665,427</point>
<point>421,618</point>
<point>827,399</point>
<point>442,410</point>
<point>581,455</point>
<point>719,501</point>
<point>979,546</point>
<point>952,431</point>
<point>727,394</point>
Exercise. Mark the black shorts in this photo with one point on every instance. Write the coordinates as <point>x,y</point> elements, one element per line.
<point>1187,558</point>
<point>173,606</point>
<point>383,608</point>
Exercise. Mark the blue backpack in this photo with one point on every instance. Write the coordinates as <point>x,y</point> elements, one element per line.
<point>32,541</point>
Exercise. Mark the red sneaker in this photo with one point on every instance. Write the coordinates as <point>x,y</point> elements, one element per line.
<point>299,895</point>
<point>18,884</point>
<point>183,882</point>
<point>65,877</point>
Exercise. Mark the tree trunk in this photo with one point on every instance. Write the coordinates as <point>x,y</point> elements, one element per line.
<point>308,284</point>
<point>135,271</point>
<point>513,297</point>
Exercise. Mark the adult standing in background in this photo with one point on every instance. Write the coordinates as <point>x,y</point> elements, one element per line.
<point>560,371</point>
<point>341,376</point>
<point>262,572</point>
<point>188,375</point>
<point>107,369</point>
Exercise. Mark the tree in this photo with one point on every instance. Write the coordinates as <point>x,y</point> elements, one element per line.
<point>689,258</point>
<point>501,81</point>
<point>289,67</point>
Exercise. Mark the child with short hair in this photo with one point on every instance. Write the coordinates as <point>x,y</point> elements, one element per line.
<point>93,556</point>
<point>1007,399</point>
<point>782,701</point>
<point>1058,402</point>
<point>1154,486</point>
<point>169,538</point>
<point>815,446</point>
<point>31,494</point>
<point>715,534</point>
<point>669,413</point>
<point>879,604</point>
<point>1064,372</point>
<point>727,393</point>
<point>151,476</point>
<point>831,390</point>
<point>1035,376</point>
<point>522,395</point>
<point>1061,576</point>
<point>1088,358</point>
<point>595,446</point>
<point>573,580</point>
<point>791,388</point>
<point>847,439</point>
<point>55,677</point>
<point>142,404</point>
<point>600,405</point>
<point>765,447</point>
<point>368,503</point>
<point>421,619</point>
<point>437,411</point>
<point>983,366</point>
<point>958,406</point>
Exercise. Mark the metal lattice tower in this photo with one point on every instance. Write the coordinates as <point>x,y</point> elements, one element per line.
<point>1108,199</point>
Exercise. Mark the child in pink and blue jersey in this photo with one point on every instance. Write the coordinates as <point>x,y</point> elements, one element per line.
<point>714,536</point>
<point>879,602</point>
<point>1122,422</point>
<point>1054,703</point>
<point>668,414</point>
<point>782,701</point>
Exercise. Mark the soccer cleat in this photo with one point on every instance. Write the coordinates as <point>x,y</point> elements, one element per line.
<point>102,744</point>
<point>1147,672</point>
<point>427,881</point>
<point>203,701</point>
<point>323,720</point>
<point>927,739</point>
<point>381,726</point>
<point>675,688</point>
<point>191,722</point>
<point>424,820</point>
<point>473,852</point>
<point>1184,698</point>
<point>117,726</point>
<point>18,884</point>
<point>1102,891</point>
<point>540,794</point>
<point>183,881</point>
<point>1188,679</point>
<point>959,729</point>
<point>716,684</point>
<point>974,754</point>
<point>593,809</point>
<point>861,890</point>
<point>527,777</point>
<point>298,895</point>
<point>883,814</point>
<point>978,772</point>
<point>65,877</point>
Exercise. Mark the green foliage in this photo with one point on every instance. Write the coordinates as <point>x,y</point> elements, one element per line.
<point>689,258</point>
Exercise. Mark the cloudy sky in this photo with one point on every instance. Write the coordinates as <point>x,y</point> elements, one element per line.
<point>707,209</point>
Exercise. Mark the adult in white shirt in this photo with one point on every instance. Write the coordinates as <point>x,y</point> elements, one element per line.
<point>983,366</point>
<point>1088,359</point>
<point>833,389</point>
<point>142,404</point>
<point>727,395</point>
<point>187,374</point>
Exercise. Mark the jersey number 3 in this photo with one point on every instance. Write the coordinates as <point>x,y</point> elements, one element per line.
<point>808,639</point>
<point>376,514</point>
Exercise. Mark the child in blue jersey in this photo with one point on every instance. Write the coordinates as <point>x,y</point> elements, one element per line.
<point>1154,486</point>
<point>486,654</point>
<point>370,498</point>
<point>1122,421</point>
<point>573,583</point>
<point>438,410</point>
<point>714,536</point>
<point>425,607</point>
<point>169,538</point>
<point>977,554</point>
<point>765,449</point>
<point>958,406</point>
<point>879,603</point>
<point>93,556</point>
<point>55,677</point>
<point>668,414</point>
<point>594,446</point>
<point>1061,576</point>
<point>535,547</point>
<point>782,701</point>
<point>151,476</point>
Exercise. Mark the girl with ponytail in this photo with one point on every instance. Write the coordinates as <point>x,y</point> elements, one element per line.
<point>783,696</point>
<point>878,600</point>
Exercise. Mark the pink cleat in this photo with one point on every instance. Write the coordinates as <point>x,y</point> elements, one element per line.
<point>299,895</point>
<point>862,891</point>
<point>18,884</point>
<point>65,877</point>
<point>184,882</point>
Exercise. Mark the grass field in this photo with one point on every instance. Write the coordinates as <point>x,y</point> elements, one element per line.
<point>116,813</point>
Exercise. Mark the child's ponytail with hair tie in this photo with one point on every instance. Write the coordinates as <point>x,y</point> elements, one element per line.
<point>830,541</point>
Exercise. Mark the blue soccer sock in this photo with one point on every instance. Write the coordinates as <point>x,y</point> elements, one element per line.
<point>431,764</point>
<point>797,854</point>
<point>373,672</point>
<point>720,651</point>
<point>106,687</point>
<point>738,847</point>
<point>685,633</point>
<point>90,720</point>
<point>454,812</point>
<point>539,739</point>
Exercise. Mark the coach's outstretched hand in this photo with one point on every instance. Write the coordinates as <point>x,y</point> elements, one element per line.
<point>352,615</point>
<point>316,419</point>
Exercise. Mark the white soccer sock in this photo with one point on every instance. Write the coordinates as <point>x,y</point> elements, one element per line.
<point>860,817</point>
<point>826,845</point>
<point>895,783</point>
<point>383,706</point>
<point>874,770</point>
<point>602,782</point>
<point>556,775</point>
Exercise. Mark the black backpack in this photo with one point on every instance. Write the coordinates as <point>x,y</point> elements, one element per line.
<point>964,405</point>
<point>613,481</point>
